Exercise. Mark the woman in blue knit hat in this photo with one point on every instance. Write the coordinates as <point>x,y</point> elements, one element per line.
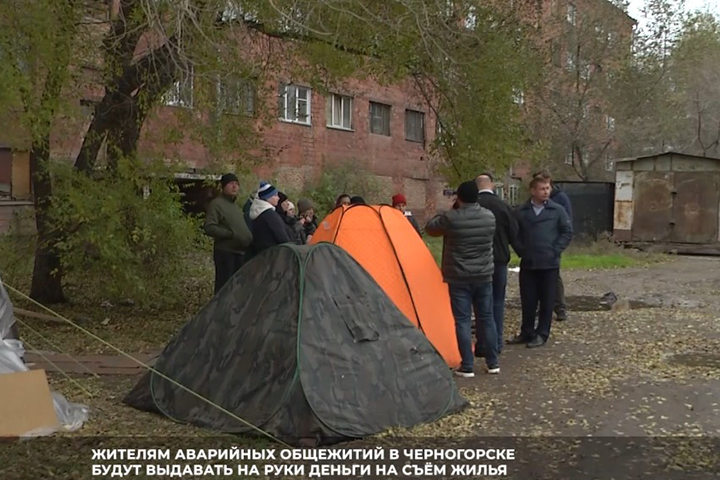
<point>268,228</point>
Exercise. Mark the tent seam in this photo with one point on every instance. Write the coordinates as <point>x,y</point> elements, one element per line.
<point>402,270</point>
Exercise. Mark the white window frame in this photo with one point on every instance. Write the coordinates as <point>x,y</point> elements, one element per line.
<point>346,103</point>
<point>610,123</point>
<point>570,60</point>
<point>569,157</point>
<point>609,164</point>
<point>233,11</point>
<point>308,100</point>
<point>518,96</point>
<point>471,18</point>
<point>173,97</point>
<point>585,71</point>
<point>571,15</point>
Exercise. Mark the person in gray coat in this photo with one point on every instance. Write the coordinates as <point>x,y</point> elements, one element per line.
<point>545,232</point>
<point>467,267</point>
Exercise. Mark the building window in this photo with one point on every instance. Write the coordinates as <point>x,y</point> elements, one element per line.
<point>449,8</point>
<point>471,18</point>
<point>236,96</point>
<point>610,39</point>
<point>518,97</point>
<point>379,118</point>
<point>6,158</point>
<point>233,12</point>
<point>180,93</point>
<point>609,164</point>
<point>340,111</point>
<point>570,61</point>
<point>610,121</point>
<point>572,14</point>
<point>293,20</point>
<point>585,71</point>
<point>294,104</point>
<point>569,157</point>
<point>414,126</point>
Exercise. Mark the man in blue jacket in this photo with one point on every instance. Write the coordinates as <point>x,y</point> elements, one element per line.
<point>561,198</point>
<point>545,232</point>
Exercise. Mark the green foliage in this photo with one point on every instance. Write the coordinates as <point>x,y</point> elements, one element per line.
<point>17,252</point>
<point>120,243</point>
<point>343,178</point>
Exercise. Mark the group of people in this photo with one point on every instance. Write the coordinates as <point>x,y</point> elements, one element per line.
<point>478,231</point>
<point>268,218</point>
<point>399,202</point>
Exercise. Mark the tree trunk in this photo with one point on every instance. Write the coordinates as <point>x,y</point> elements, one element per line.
<point>47,272</point>
<point>119,116</point>
<point>46,286</point>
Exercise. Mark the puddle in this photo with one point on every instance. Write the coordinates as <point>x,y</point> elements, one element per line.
<point>584,303</point>
<point>701,360</point>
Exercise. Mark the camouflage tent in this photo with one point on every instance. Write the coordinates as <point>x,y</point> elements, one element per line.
<point>303,344</point>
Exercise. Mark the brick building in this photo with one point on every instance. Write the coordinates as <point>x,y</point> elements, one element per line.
<point>384,130</point>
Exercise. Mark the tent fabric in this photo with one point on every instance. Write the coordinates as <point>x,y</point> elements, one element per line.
<point>384,242</point>
<point>303,344</point>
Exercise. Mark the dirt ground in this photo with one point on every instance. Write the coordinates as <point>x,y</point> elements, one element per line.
<point>651,371</point>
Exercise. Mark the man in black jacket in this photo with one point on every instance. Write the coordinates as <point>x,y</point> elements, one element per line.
<point>545,232</point>
<point>506,231</point>
<point>559,197</point>
<point>467,268</point>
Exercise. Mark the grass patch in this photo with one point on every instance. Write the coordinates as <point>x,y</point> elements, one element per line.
<point>600,255</point>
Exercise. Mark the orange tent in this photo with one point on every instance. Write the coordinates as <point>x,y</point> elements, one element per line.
<point>384,242</point>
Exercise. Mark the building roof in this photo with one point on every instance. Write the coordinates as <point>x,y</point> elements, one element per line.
<point>663,154</point>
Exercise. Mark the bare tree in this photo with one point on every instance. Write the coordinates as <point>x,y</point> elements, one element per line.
<point>586,48</point>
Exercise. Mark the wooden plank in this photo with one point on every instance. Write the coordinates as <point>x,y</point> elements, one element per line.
<point>84,364</point>
<point>39,316</point>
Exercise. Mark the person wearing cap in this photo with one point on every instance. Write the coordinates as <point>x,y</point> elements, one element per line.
<point>399,202</point>
<point>268,228</point>
<point>306,216</point>
<point>467,267</point>
<point>225,224</point>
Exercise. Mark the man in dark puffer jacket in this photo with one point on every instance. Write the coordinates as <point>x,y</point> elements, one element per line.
<point>467,266</point>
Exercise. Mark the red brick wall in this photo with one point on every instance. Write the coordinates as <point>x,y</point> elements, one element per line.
<point>307,149</point>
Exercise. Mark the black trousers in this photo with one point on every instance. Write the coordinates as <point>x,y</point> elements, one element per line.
<point>226,264</point>
<point>560,307</point>
<point>537,287</point>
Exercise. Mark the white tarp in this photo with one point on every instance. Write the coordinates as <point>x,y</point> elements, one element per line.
<point>71,416</point>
